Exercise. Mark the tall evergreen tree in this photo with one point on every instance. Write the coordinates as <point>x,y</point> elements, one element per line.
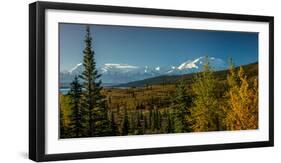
<point>170,127</point>
<point>145,122</point>
<point>125,123</point>
<point>150,120</point>
<point>156,120</point>
<point>77,120</point>
<point>102,122</point>
<point>113,125</point>
<point>132,123</point>
<point>93,101</point>
<point>140,123</point>
<point>181,103</point>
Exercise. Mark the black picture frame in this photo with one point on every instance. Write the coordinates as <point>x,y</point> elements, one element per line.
<point>37,80</point>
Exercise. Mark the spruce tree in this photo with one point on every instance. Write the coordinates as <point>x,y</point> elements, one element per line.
<point>138,123</point>
<point>76,117</point>
<point>102,122</point>
<point>156,119</point>
<point>113,125</point>
<point>125,123</point>
<point>93,101</point>
<point>145,122</point>
<point>132,124</point>
<point>150,120</point>
<point>159,120</point>
<point>170,125</point>
<point>181,102</point>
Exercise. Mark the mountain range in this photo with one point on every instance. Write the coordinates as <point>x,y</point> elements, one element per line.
<point>251,71</point>
<point>116,73</point>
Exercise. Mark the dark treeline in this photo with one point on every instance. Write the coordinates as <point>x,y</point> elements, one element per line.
<point>207,104</point>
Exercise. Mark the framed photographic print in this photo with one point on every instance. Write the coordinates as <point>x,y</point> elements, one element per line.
<point>111,81</point>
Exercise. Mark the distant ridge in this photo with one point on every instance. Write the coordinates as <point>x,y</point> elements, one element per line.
<point>250,69</point>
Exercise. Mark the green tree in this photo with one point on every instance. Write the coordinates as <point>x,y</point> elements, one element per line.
<point>93,102</point>
<point>181,103</point>
<point>125,123</point>
<point>150,120</point>
<point>140,123</point>
<point>204,114</point>
<point>145,122</point>
<point>170,126</point>
<point>77,120</point>
<point>114,127</point>
<point>132,123</point>
<point>101,120</point>
<point>156,120</point>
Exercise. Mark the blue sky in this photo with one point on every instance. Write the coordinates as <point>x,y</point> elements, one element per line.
<point>141,46</point>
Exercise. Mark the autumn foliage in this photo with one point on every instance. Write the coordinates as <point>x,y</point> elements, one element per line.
<point>210,101</point>
<point>242,106</point>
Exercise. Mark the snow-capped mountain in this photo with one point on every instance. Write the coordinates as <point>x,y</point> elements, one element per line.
<point>114,73</point>
<point>196,65</point>
<point>199,63</point>
<point>114,67</point>
<point>76,69</point>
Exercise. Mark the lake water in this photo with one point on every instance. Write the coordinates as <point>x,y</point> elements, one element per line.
<point>64,90</point>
